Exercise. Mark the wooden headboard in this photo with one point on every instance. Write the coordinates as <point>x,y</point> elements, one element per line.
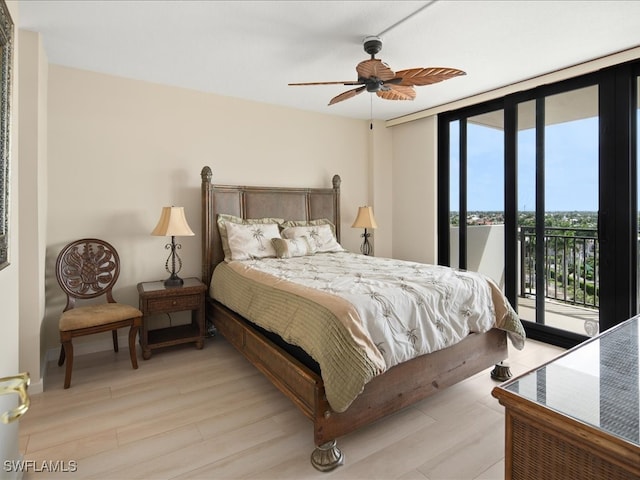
<point>259,202</point>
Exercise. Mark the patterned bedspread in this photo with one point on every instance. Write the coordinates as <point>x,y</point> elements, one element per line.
<point>358,316</point>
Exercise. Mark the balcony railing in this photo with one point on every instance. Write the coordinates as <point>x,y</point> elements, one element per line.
<point>571,264</point>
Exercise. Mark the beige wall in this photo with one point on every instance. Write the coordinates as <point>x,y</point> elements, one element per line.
<point>381,181</point>
<point>33,197</point>
<point>119,150</point>
<point>414,190</point>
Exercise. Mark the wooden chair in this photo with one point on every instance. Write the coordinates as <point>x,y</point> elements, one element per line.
<point>88,269</point>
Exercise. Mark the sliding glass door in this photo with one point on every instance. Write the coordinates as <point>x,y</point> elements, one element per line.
<point>477,211</point>
<point>557,163</point>
<point>537,188</point>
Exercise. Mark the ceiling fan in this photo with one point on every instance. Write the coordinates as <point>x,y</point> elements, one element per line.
<point>375,76</point>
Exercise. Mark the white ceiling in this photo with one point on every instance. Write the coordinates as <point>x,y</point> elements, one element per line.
<point>252,49</point>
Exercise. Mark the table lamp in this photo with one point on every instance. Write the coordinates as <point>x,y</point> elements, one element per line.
<point>173,224</point>
<point>365,220</point>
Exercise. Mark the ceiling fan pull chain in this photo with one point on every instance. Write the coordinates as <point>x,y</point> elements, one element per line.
<point>371,116</point>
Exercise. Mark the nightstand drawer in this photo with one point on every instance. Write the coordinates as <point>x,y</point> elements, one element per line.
<point>162,305</point>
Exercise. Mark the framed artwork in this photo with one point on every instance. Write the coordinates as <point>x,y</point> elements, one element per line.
<point>6,65</point>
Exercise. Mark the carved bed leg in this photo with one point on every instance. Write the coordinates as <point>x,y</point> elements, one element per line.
<point>327,456</point>
<point>501,372</point>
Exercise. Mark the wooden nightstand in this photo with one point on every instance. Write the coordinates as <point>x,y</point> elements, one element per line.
<point>155,298</point>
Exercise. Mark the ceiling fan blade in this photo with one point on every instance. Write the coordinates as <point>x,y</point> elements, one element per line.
<point>427,76</point>
<point>346,82</point>
<point>375,68</point>
<point>347,94</point>
<point>397,92</point>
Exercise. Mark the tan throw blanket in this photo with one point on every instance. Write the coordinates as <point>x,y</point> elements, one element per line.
<point>357,316</point>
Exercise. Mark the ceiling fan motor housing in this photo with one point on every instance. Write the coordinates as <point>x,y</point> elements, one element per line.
<point>372,45</point>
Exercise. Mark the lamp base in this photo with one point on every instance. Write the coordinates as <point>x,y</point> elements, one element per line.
<point>173,281</point>
<point>365,248</point>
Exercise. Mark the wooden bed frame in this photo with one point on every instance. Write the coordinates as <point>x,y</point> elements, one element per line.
<point>397,388</point>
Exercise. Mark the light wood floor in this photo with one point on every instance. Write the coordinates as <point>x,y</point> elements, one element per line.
<point>188,413</point>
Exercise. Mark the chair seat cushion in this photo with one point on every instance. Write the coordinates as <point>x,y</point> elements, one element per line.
<point>94,315</point>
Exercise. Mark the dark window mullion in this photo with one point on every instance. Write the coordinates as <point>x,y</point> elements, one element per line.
<point>540,211</point>
<point>511,203</point>
<point>462,263</point>
<point>444,187</point>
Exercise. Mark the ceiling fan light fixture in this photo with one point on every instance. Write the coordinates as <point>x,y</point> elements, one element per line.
<point>373,85</point>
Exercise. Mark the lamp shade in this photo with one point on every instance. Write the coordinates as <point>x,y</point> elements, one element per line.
<point>172,223</point>
<point>365,218</point>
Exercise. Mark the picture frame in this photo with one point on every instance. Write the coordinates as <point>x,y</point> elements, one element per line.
<point>6,67</point>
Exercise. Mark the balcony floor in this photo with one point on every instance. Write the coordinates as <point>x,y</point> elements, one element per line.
<point>572,318</point>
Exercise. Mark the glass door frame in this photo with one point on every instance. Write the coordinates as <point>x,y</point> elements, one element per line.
<point>617,220</point>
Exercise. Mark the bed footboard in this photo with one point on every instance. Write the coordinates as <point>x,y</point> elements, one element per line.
<point>399,387</point>
<point>412,381</point>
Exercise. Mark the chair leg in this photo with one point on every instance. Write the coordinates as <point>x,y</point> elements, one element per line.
<point>133,332</point>
<point>114,334</point>
<point>61,358</point>
<point>68,352</point>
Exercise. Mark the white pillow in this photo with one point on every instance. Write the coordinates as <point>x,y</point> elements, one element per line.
<point>319,235</point>
<point>222,221</point>
<point>248,241</point>
<point>293,247</point>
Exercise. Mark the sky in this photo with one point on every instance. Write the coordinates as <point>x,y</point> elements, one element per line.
<point>571,167</point>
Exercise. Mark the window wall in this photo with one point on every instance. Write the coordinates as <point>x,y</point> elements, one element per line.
<point>537,189</point>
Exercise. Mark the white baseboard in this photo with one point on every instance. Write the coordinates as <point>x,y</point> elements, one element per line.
<point>36,386</point>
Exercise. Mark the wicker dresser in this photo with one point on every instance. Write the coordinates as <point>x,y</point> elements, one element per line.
<point>577,417</point>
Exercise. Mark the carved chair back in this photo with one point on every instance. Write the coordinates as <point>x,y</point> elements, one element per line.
<point>87,268</point>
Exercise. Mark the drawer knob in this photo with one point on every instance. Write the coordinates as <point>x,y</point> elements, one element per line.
<point>174,302</point>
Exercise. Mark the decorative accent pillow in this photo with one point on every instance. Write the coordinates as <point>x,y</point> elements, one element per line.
<point>224,218</point>
<point>293,247</point>
<point>306,223</point>
<point>251,240</point>
<point>321,236</point>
